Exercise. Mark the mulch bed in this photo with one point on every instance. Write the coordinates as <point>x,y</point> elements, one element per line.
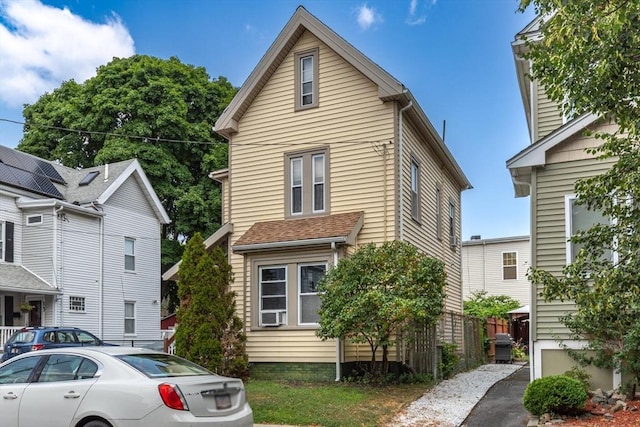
<point>597,415</point>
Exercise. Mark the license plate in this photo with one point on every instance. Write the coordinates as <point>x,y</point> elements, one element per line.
<point>223,401</point>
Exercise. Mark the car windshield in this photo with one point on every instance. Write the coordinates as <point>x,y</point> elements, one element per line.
<point>163,365</point>
<point>21,337</point>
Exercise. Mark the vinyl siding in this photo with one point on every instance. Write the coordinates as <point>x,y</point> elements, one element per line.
<point>553,183</point>
<point>423,233</point>
<point>79,274</point>
<point>355,126</point>
<point>130,216</point>
<point>37,243</point>
<point>547,114</point>
<point>482,269</point>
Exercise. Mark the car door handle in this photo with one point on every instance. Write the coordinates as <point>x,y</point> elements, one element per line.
<point>71,395</point>
<point>10,396</point>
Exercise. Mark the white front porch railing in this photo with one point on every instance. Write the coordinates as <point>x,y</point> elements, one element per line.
<point>5,334</point>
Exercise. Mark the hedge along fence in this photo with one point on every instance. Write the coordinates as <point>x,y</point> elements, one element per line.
<point>421,347</point>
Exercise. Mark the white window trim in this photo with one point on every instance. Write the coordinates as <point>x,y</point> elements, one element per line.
<point>439,211</point>
<point>300,294</point>
<point>134,318</point>
<point>414,188</point>
<point>515,265</point>
<point>3,237</point>
<point>286,294</point>
<point>31,224</point>
<point>126,254</point>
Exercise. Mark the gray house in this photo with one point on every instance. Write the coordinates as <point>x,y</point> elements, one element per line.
<point>79,247</point>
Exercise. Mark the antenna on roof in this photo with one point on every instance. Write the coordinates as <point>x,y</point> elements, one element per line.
<point>444,129</point>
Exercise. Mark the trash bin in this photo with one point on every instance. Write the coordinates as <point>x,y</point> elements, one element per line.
<point>503,344</point>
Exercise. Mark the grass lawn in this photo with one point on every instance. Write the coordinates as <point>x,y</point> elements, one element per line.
<point>328,404</point>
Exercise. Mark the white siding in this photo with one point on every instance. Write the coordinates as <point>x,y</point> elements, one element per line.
<point>37,243</point>
<point>482,268</point>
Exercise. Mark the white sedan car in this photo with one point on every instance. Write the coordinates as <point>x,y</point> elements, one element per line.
<point>116,387</point>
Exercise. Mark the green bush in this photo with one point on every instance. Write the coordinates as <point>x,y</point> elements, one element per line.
<point>581,375</point>
<point>450,359</point>
<point>558,394</point>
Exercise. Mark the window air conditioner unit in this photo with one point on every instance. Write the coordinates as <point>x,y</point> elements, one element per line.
<point>273,318</point>
<point>454,241</point>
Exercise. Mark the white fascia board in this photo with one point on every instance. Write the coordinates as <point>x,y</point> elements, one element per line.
<point>135,167</point>
<point>48,203</point>
<point>535,155</point>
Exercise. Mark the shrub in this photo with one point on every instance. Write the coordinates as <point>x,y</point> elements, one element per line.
<point>558,394</point>
<point>581,375</point>
<point>449,359</point>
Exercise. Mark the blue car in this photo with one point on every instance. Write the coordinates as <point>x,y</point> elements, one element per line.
<point>39,338</point>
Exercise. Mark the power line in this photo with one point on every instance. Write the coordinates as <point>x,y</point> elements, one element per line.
<point>180,141</point>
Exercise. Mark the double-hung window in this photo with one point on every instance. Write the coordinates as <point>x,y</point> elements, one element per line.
<point>509,265</point>
<point>306,183</point>
<point>6,241</point>
<point>415,190</point>
<point>306,79</point>
<point>579,218</point>
<point>309,275</point>
<point>273,295</point>
<point>452,225</point>
<point>129,254</point>
<point>438,212</point>
<point>2,241</point>
<point>129,317</point>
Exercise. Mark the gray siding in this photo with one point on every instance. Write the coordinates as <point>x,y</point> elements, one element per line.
<point>37,243</point>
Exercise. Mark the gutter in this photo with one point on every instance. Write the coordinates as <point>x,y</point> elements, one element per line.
<point>290,244</point>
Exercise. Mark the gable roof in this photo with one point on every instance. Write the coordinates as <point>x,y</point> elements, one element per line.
<point>389,89</point>
<point>17,278</point>
<point>302,232</point>
<point>521,165</point>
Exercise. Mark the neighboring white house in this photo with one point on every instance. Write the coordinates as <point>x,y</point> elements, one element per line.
<point>498,266</point>
<point>81,247</point>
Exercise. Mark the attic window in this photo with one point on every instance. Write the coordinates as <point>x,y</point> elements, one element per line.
<point>306,79</point>
<point>88,178</point>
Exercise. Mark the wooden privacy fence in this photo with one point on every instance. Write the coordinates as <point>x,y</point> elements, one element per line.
<point>495,326</point>
<point>420,347</point>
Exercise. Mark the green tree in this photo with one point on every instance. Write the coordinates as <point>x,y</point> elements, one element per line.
<point>481,304</point>
<point>209,332</point>
<point>146,108</point>
<point>587,60</point>
<point>371,296</point>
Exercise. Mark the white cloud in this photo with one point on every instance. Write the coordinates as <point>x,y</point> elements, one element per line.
<point>367,16</point>
<point>42,46</point>
<point>417,17</point>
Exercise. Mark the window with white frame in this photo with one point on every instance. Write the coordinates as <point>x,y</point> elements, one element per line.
<point>579,218</point>
<point>306,183</point>
<point>309,275</point>
<point>415,189</point>
<point>306,79</point>
<point>129,254</point>
<point>76,304</point>
<point>273,295</point>
<point>34,219</point>
<point>129,317</point>
<point>509,265</point>
<point>6,241</point>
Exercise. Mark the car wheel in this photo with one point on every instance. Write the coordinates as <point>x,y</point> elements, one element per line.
<point>96,423</point>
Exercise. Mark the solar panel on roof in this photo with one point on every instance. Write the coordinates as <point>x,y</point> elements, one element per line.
<point>29,163</point>
<point>35,183</point>
<point>50,172</point>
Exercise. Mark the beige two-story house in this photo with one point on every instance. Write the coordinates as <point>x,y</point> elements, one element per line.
<point>546,171</point>
<point>327,152</point>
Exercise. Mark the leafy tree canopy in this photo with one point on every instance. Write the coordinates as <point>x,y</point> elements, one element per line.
<point>146,108</point>
<point>372,295</point>
<point>481,304</point>
<point>587,60</point>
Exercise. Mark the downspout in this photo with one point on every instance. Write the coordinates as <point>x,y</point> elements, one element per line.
<point>57,283</point>
<point>245,300</point>
<point>400,184</point>
<point>100,276</point>
<point>338,340</point>
<point>484,265</point>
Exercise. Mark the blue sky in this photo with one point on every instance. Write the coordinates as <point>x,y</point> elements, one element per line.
<point>454,56</point>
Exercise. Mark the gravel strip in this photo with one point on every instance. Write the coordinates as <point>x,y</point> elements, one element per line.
<point>451,401</point>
